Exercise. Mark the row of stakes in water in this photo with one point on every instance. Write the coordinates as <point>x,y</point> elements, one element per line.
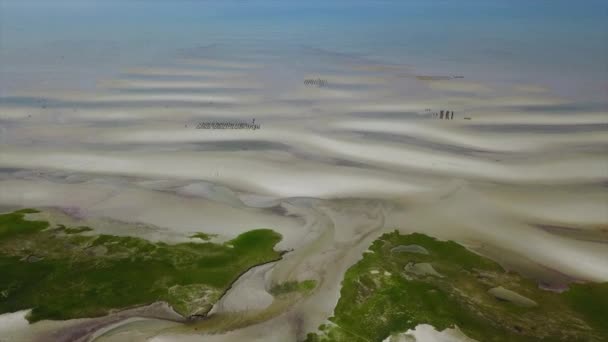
<point>445,115</point>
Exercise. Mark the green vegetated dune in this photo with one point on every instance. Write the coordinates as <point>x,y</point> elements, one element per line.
<point>413,279</point>
<point>63,273</point>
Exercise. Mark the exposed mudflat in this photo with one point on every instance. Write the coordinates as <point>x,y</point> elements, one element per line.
<point>331,169</point>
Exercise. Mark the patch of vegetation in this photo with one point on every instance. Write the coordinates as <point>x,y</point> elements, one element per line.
<point>591,300</point>
<point>293,286</point>
<point>195,299</point>
<point>394,289</point>
<point>64,276</point>
<point>203,236</point>
<point>77,230</point>
<point>13,224</point>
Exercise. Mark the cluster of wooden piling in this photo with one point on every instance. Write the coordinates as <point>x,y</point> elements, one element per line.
<point>444,115</point>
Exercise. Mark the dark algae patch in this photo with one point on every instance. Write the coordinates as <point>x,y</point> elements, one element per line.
<point>394,289</point>
<point>61,273</point>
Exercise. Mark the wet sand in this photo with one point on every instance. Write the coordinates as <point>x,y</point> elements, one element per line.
<point>331,169</point>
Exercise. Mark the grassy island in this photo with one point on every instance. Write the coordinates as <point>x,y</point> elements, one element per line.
<point>406,280</point>
<point>63,273</point>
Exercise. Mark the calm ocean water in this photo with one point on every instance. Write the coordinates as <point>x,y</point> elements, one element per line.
<point>560,44</point>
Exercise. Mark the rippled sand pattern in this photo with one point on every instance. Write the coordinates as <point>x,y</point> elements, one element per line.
<point>517,174</point>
